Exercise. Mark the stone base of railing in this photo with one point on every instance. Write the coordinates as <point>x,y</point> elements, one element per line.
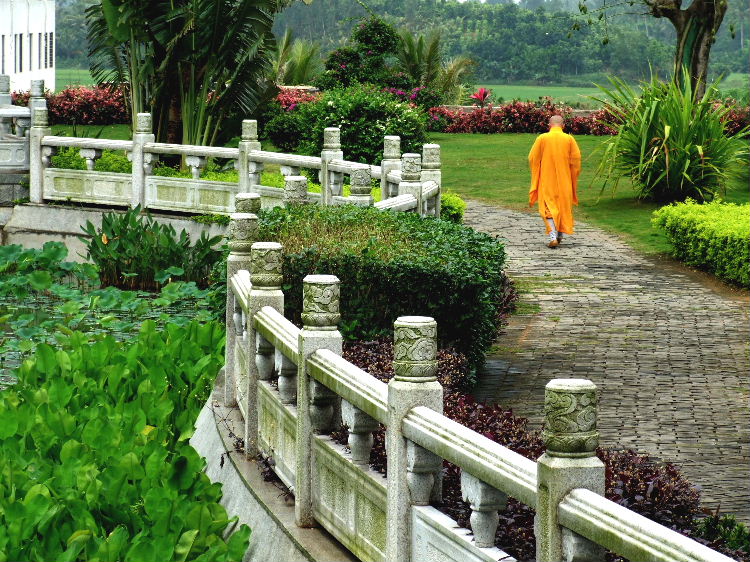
<point>13,186</point>
<point>32,225</point>
<point>258,503</point>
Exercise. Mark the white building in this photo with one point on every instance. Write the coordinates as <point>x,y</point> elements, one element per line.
<point>27,42</point>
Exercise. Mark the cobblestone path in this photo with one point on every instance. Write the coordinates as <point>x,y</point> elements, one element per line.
<point>668,352</point>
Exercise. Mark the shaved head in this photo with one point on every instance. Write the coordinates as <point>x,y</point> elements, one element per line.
<point>556,121</point>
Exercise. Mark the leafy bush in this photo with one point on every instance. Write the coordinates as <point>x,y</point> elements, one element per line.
<point>95,453</point>
<point>672,144</point>
<point>713,236</point>
<point>82,105</point>
<point>421,96</point>
<point>515,117</point>
<point>725,531</point>
<point>433,267</point>
<point>365,115</point>
<point>452,207</point>
<point>136,252</point>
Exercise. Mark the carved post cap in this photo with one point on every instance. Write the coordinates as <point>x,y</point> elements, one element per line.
<point>332,138</point>
<point>143,123</point>
<point>295,190</point>
<point>249,130</point>
<point>415,349</point>
<point>570,418</point>
<point>320,302</point>
<point>411,166</point>
<point>243,229</point>
<point>265,265</point>
<point>39,117</point>
<point>392,147</point>
<point>361,178</point>
<point>431,156</point>
<point>4,84</point>
<point>37,88</point>
<point>247,203</point>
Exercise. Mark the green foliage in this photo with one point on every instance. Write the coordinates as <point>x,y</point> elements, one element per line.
<point>726,531</point>
<point>95,456</point>
<point>671,143</point>
<point>132,252</point>
<point>295,62</point>
<point>432,267</point>
<point>713,236</point>
<point>452,207</point>
<point>364,114</point>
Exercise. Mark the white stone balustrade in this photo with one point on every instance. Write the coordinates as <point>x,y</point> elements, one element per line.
<point>15,123</point>
<point>391,519</point>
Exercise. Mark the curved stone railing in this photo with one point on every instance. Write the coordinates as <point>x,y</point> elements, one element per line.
<point>14,125</point>
<point>416,188</point>
<point>293,387</point>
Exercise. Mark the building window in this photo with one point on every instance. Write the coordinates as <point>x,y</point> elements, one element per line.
<point>39,50</point>
<point>46,49</point>
<point>51,49</point>
<point>20,53</point>
<point>2,54</point>
<point>31,58</point>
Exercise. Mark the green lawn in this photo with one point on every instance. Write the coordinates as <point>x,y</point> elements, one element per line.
<point>72,77</point>
<point>115,132</point>
<point>494,168</point>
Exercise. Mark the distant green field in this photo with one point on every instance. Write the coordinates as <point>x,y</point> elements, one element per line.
<point>72,77</point>
<point>574,96</point>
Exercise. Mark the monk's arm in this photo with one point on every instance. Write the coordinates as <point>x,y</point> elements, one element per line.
<point>535,163</point>
<point>575,167</point>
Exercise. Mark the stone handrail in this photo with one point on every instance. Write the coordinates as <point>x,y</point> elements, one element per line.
<point>191,150</point>
<point>76,142</point>
<point>565,486</point>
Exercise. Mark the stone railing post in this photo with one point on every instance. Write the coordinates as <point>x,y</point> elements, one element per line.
<point>331,182</point>
<point>361,186</point>
<point>265,276</point>
<point>243,230</point>
<point>391,162</point>
<point>570,462</point>
<point>39,129</point>
<point>36,99</point>
<point>415,384</point>
<point>431,172</point>
<point>295,190</point>
<point>141,136</point>
<point>411,182</point>
<point>5,99</point>
<point>249,171</point>
<point>320,317</point>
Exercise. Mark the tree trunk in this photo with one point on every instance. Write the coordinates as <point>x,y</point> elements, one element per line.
<point>696,29</point>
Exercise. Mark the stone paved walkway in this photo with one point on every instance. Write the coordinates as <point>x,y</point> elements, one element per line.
<point>668,352</point>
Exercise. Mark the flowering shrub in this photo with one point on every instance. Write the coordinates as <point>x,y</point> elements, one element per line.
<point>290,98</point>
<point>81,105</point>
<point>736,119</point>
<point>599,123</point>
<point>421,96</point>
<point>481,97</point>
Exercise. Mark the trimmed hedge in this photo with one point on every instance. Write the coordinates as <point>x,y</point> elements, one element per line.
<point>81,105</point>
<point>391,265</point>
<point>713,236</point>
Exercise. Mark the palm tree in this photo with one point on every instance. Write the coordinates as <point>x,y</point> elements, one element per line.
<point>296,61</point>
<point>188,62</point>
<point>420,58</point>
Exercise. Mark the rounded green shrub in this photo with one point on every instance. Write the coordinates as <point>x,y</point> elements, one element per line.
<point>391,265</point>
<point>365,115</point>
<point>452,207</point>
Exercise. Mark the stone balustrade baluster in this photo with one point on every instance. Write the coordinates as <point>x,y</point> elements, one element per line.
<point>265,278</point>
<point>295,190</point>
<point>414,384</point>
<point>91,155</point>
<point>391,163</point>
<point>320,317</point>
<point>485,502</point>
<point>196,165</point>
<point>264,357</point>
<point>431,172</point>
<point>411,182</point>
<point>569,462</point>
<point>149,160</point>
<point>287,372</point>
<point>332,183</point>
<point>5,99</point>
<point>361,186</point>
<point>360,427</point>
<point>36,97</point>
<point>141,167</point>
<point>423,470</point>
<point>39,156</point>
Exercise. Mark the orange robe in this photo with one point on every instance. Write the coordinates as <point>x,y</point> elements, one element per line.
<point>555,162</point>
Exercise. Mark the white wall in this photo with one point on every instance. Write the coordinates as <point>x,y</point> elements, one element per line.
<point>30,25</point>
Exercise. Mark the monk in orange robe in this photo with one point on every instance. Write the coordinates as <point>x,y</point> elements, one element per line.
<point>555,162</point>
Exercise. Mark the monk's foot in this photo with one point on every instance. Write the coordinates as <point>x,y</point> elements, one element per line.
<point>559,237</point>
<point>553,243</point>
